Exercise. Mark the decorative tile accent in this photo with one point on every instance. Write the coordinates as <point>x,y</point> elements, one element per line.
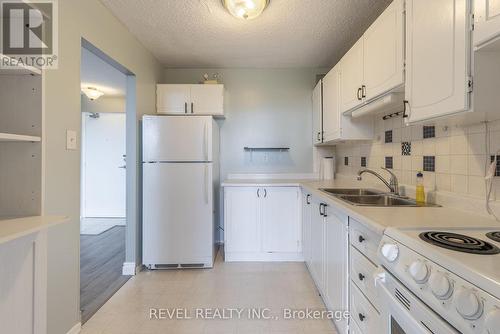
<point>346,161</point>
<point>497,173</point>
<point>389,162</point>
<point>388,136</point>
<point>429,164</point>
<point>429,131</point>
<point>363,161</point>
<point>405,148</point>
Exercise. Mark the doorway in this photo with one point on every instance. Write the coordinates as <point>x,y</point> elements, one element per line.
<point>103,209</point>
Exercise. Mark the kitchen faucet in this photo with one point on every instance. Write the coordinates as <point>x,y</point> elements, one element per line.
<point>393,183</point>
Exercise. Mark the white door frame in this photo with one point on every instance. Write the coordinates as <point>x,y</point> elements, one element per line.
<point>132,234</point>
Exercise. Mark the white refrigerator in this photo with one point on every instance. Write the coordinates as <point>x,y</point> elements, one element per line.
<point>180,190</point>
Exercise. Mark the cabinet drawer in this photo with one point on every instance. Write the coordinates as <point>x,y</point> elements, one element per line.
<point>364,240</point>
<point>361,272</point>
<point>363,313</point>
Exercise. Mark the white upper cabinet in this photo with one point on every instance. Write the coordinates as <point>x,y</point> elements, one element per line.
<point>173,99</point>
<point>331,113</point>
<point>317,101</point>
<point>383,56</point>
<point>280,220</point>
<point>207,99</point>
<point>437,58</point>
<point>351,78</point>
<point>190,99</point>
<point>487,21</point>
<point>336,126</point>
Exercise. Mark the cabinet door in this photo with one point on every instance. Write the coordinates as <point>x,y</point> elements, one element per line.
<point>437,56</point>
<point>317,100</point>
<point>331,113</point>
<point>317,245</point>
<point>487,25</point>
<point>306,227</point>
<point>336,263</point>
<point>173,99</point>
<point>383,52</point>
<point>207,100</point>
<point>280,220</point>
<point>351,77</point>
<point>242,219</point>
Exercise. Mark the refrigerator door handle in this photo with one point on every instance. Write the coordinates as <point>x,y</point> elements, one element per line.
<point>205,141</point>
<point>206,184</point>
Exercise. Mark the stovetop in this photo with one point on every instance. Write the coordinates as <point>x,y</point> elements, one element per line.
<point>461,242</point>
<point>477,261</point>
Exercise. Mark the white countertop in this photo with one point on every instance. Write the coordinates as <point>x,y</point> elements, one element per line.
<point>378,218</point>
<point>11,229</point>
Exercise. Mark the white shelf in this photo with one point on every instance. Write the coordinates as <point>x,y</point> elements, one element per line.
<point>19,69</point>
<point>15,228</point>
<point>15,137</point>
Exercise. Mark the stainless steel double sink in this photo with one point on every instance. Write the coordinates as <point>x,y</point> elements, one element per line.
<point>369,197</point>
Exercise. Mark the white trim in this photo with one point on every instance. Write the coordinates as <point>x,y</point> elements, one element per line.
<point>297,176</point>
<point>75,329</point>
<point>130,269</point>
<point>263,257</point>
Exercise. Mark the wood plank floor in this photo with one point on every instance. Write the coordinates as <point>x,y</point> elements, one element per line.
<point>101,261</point>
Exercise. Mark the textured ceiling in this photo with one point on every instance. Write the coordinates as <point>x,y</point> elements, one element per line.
<point>290,33</point>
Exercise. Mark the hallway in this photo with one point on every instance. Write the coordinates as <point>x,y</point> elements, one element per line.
<point>101,261</point>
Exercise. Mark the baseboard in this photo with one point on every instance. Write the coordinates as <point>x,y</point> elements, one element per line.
<point>75,329</point>
<point>129,269</point>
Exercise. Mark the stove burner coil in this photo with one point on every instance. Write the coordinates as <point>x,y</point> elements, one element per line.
<point>495,236</point>
<point>459,242</point>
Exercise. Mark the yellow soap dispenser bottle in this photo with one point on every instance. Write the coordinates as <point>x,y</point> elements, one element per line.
<point>420,196</point>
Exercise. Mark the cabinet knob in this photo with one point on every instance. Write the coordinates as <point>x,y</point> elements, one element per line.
<point>361,276</point>
<point>361,238</point>
<point>361,317</point>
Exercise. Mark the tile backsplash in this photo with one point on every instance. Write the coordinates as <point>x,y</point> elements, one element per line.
<point>453,158</point>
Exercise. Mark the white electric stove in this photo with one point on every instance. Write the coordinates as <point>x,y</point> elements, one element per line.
<point>440,281</point>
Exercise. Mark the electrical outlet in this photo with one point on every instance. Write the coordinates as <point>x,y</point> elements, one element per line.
<point>71,140</point>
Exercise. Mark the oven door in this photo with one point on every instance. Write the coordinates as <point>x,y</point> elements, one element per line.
<point>403,313</point>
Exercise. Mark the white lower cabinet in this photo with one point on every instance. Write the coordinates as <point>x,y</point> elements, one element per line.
<point>242,220</point>
<point>262,224</point>
<point>336,263</point>
<point>306,227</point>
<point>318,244</point>
<point>328,246</point>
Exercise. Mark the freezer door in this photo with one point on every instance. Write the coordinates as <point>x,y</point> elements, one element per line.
<point>177,213</point>
<point>177,138</point>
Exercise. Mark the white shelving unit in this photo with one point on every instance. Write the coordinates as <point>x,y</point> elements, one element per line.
<point>18,138</point>
<point>23,225</point>
<point>21,131</point>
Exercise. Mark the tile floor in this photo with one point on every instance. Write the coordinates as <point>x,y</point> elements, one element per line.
<point>275,286</point>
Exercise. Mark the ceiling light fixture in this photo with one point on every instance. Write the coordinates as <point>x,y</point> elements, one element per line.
<point>245,9</point>
<point>92,93</point>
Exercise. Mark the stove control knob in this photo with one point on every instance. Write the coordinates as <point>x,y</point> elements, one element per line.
<point>493,321</point>
<point>468,304</point>
<point>440,285</point>
<point>419,271</point>
<point>390,252</point>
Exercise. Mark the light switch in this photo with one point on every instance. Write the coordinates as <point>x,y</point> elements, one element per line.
<point>70,140</point>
